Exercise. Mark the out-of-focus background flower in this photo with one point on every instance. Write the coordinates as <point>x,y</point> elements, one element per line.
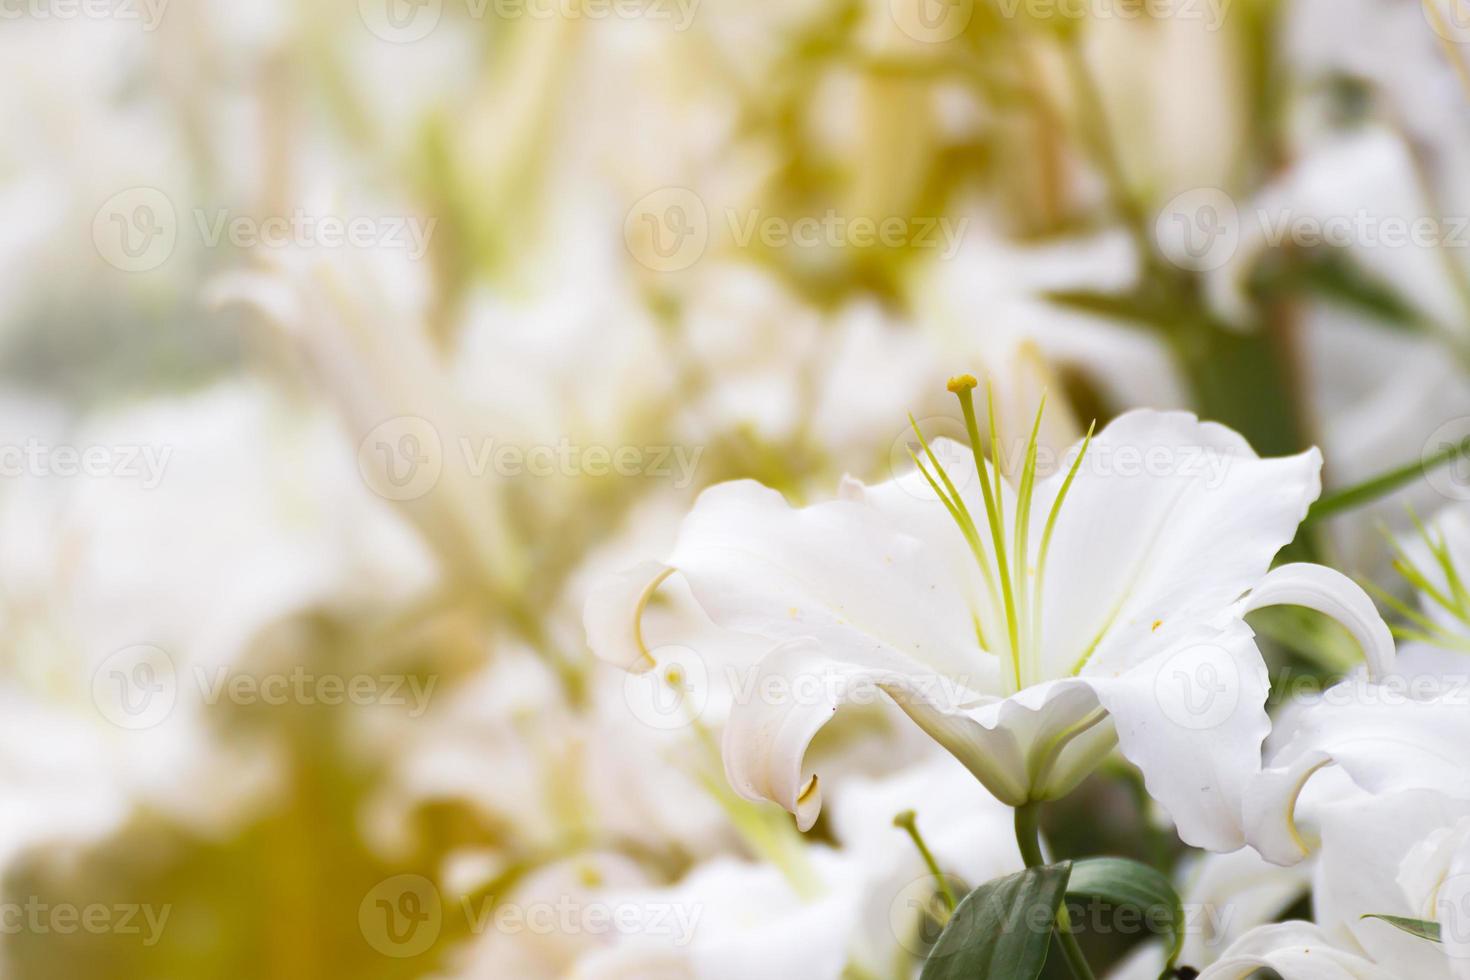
<point>348,343</point>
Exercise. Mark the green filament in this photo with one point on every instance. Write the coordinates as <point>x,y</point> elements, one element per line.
<point>1014,586</point>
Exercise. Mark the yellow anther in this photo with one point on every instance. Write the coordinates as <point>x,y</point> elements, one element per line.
<point>962,382</point>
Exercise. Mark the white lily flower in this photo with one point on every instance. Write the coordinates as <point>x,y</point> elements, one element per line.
<point>1120,624</point>
<point>1390,755</point>
<point>1418,867</point>
<point>1398,731</point>
<point>1384,741</point>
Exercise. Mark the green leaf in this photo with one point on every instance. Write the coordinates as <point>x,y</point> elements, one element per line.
<point>1001,930</point>
<point>1126,308</point>
<point>1332,277</point>
<point>1414,927</point>
<point>1120,882</point>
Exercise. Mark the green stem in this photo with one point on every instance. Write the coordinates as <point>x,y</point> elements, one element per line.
<point>1028,837</point>
<point>1383,484</point>
<point>909,822</point>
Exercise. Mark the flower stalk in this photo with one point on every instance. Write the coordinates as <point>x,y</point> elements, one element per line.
<point>1028,838</point>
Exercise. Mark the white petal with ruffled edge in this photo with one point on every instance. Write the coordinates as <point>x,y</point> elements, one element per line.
<point>1297,951</point>
<point>1192,719</point>
<point>1168,522</point>
<point>798,688</point>
<point>838,572</point>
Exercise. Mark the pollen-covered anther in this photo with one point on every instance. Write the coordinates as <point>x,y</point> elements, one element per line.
<point>962,382</point>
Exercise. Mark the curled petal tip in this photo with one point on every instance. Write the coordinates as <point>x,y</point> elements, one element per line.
<point>808,804</point>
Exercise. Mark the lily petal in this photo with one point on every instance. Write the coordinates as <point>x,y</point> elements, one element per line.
<point>1332,593</point>
<point>799,688</point>
<point>1297,951</point>
<point>1353,881</point>
<point>1156,492</point>
<point>838,572</point>
<point>613,616</point>
<point>1192,719</point>
<point>1382,739</point>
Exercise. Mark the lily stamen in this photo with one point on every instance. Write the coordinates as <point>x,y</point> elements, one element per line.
<point>1018,591</point>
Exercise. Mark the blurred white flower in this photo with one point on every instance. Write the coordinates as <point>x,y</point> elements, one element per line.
<point>1378,395</point>
<point>114,575</point>
<point>1360,192</point>
<point>1225,896</point>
